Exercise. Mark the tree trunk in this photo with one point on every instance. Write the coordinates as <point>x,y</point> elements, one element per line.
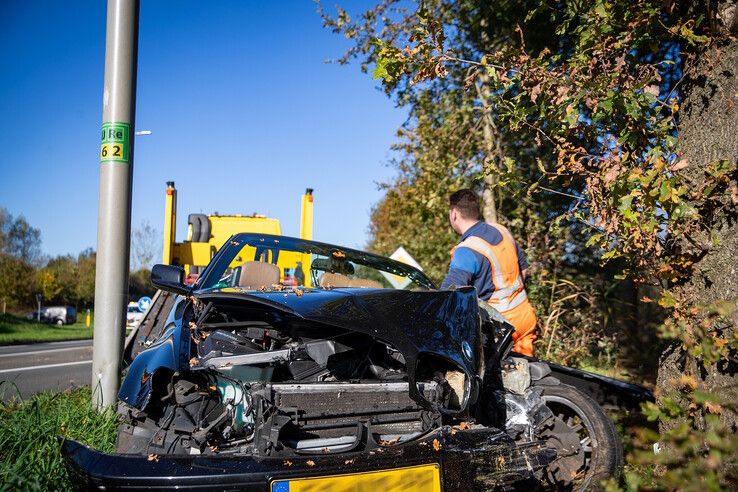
<point>708,133</point>
<point>492,151</point>
<point>489,210</point>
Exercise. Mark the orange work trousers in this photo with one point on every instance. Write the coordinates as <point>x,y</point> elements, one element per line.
<point>523,318</point>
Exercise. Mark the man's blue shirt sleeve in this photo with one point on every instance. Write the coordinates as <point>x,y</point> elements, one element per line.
<point>464,265</point>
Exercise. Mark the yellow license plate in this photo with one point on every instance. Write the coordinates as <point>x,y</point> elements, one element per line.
<point>423,478</point>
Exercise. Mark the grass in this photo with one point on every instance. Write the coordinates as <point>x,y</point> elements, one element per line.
<point>30,455</point>
<point>14,330</point>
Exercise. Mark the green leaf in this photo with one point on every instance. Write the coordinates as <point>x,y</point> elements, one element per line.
<point>492,72</point>
<point>594,239</point>
<point>380,70</point>
<point>600,10</point>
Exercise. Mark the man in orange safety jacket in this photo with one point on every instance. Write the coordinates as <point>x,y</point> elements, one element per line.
<point>488,258</point>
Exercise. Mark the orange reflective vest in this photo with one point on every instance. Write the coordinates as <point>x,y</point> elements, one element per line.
<point>509,296</point>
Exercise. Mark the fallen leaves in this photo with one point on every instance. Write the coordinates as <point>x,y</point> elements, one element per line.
<point>389,442</point>
<point>310,463</point>
<point>436,445</point>
<point>199,337</point>
<point>153,457</point>
<point>462,426</point>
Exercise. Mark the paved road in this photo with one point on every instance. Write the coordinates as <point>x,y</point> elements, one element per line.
<point>29,369</point>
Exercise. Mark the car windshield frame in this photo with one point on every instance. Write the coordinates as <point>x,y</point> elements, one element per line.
<point>233,246</point>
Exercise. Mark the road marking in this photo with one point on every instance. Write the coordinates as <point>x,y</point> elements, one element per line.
<point>82,343</point>
<point>43,351</point>
<point>47,366</point>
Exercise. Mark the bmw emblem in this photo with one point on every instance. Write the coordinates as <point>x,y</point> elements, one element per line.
<point>467,350</point>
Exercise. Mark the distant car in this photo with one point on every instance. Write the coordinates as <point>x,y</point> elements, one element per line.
<point>37,315</point>
<point>57,315</point>
<point>133,315</point>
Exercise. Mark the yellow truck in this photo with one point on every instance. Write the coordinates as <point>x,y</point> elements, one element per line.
<point>207,233</point>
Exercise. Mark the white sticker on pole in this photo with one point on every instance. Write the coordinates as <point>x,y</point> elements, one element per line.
<point>398,281</point>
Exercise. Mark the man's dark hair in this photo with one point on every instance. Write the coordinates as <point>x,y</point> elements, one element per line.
<point>466,202</point>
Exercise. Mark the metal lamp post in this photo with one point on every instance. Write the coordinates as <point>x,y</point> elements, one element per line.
<point>114,213</point>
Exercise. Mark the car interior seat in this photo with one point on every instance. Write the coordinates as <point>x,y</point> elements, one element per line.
<point>330,279</point>
<point>365,283</point>
<point>258,274</point>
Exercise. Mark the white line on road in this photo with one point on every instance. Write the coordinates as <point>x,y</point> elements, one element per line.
<point>47,366</point>
<point>82,343</point>
<point>50,351</point>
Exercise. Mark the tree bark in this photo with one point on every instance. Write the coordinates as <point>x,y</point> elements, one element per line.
<point>492,150</point>
<point>708,133</point>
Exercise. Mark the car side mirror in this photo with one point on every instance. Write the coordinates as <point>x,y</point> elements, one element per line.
<point>169,278</point>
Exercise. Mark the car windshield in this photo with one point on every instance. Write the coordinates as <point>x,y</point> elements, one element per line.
<point>266,262</point>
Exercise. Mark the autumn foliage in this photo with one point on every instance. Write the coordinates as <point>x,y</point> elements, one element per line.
<point>567,115</point>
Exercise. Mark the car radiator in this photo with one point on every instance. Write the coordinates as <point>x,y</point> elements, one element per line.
<point>337,417</point>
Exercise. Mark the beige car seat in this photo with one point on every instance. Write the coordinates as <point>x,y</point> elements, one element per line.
<point>257,274</point>
<point>329,280</point>
<point>365,283</point>
<point>337,280</point>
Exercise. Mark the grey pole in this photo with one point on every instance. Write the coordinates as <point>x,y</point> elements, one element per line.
<point>114,213</point>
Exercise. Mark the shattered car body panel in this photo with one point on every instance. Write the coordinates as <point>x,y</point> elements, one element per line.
<point>435,323</point>
<point>169,352</point>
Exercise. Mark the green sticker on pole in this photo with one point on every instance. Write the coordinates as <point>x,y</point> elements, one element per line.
<point>116,142</point>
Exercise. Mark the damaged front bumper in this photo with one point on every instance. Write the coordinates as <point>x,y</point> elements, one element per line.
<point>471,459</point>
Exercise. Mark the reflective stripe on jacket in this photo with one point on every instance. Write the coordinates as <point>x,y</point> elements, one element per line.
<point>509,291</point>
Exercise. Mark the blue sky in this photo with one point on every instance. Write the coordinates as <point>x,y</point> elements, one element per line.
<point>245,114</point>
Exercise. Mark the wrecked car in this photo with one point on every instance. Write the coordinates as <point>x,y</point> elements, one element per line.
<point>239,382</point>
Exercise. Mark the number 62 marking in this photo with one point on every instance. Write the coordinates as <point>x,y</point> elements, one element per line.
<point>111,151</point>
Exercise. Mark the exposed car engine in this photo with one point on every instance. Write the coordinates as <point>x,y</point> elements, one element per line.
<point>263,386</point>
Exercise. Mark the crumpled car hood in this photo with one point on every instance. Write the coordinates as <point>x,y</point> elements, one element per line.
<point>440,323</point>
